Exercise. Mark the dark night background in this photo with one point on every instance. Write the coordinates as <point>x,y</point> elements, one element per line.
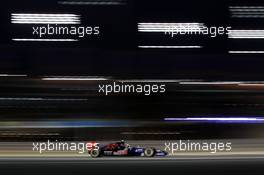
<point>115,53</point>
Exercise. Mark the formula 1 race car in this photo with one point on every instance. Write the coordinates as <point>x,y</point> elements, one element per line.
<point>123,149</point>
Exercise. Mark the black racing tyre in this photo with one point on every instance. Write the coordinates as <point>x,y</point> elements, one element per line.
<point>149,152</point>
<point>95,153</point>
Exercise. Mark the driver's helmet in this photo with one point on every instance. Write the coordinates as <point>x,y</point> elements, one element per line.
<point>123,143</point>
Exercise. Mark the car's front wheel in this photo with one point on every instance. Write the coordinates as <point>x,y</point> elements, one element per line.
<point>149,152</point>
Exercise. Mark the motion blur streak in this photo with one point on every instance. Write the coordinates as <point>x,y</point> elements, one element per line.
<point>31,39</point>
<point>23,18</point>
<point>213,119</point>
<point>150,81</point>
<point>170,47</point>
<point>74,79</point>
<point>43,99</point>
<point>253,84</point>
<point>93,2</point>
<point>246,34</point>
<point>246,52</point>
<point>247,11</point>
<point>210,83</point>
<point>65,124</point>
<point>150,133</point>
<point>13,75</point>
<point>167,27</point>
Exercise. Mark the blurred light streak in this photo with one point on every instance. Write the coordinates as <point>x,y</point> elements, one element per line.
<point>218,119</point>
<point>30,134</point>
<point>170,27</point>
<point>93,2</point>
<point>247,7</point>
<point>150,133</point>
<point>74,79</point>
<point>150,81</point>
<point>28,39</point>
<point>13,75</point>
<point>245,52</point>
<point>246,34</point>
<point>248,16</point>
<point>170,47</point>
<point>64,124</point>
<point>210,83</point>
<point>262,84</point>
<point>22,18</point>
<point>42,99</point>
<point>247,11</point>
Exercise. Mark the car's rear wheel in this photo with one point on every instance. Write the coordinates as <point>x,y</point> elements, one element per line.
<point>149,152</point>
<point>95,153</point>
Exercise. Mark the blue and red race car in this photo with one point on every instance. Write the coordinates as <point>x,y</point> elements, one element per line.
<point>123,149</point>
